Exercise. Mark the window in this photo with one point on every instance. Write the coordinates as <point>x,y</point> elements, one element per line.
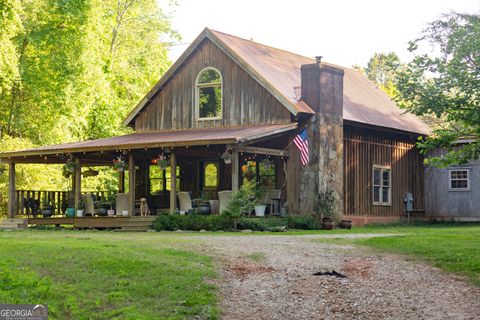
<point>160,179</point>
<point>262,174</point>
<point>211,175</point>
<point>381,185</point>
<point>459,180</point>
<point>209,94</point>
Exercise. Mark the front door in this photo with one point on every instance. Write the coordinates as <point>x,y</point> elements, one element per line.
<point>209,179</point>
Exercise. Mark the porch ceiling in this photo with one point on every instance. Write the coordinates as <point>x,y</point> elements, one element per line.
<point>173,138</point>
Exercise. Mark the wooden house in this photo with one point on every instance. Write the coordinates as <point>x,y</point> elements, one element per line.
<point>246,101</point>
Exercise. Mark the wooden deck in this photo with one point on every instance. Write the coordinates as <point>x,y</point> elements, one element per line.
<point>121,223</point>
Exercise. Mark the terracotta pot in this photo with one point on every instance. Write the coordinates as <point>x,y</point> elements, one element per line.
<point>346,224</point>
<point>327,224</point>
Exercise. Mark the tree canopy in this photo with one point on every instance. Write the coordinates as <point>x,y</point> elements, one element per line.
<point>446,84</point>
<point>72,70</point>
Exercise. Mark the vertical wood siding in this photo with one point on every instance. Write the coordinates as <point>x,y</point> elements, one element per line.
<point>364,148</point>
<point>244,100</point>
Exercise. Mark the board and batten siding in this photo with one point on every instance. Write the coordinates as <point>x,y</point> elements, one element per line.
<point>364,148</point>
<point>443,203</point>
<point>245,101</point>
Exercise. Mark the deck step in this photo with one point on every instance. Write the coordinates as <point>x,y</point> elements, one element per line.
<point>13,224</point>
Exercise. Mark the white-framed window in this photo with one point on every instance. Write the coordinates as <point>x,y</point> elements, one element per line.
<point>459,179</point>
<point>208,102</point>
<point>382,185</point>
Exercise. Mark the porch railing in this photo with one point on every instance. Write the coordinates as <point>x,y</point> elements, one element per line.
<point>30,202</point>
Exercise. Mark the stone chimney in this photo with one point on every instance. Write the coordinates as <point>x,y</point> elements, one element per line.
<point>322,90</point>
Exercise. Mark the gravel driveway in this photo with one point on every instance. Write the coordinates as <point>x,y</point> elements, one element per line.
<point>271,277</point>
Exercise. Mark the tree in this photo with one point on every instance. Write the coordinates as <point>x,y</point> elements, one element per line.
<point>381,69</point>
<point>446,85</point>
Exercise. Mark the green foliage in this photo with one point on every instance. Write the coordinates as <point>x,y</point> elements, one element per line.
<point>243,200</point>
<point>324,205</point>
<point>381,69</point>
<point>226,223</point>
<point>193,222</point>
<point>446,86</point>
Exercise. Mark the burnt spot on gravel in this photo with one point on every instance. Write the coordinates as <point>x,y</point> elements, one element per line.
<point>242,269</point>
<point>357,267</point>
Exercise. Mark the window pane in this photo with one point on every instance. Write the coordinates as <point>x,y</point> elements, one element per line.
<point>210,102</point>
<point>156,186</point>
<point>385,195</point>
<point>376,194</point>
<point>376,176</point>
<point>211,175</point>
<point>386,177</point>
<point>209,76</point>
<point>267,174</point>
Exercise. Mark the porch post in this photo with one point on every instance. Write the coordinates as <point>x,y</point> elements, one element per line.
<point>173,182</point>
<point>121,182</point>
<point>131,184</point>
<point>11,189</point>
<point>235,170</point>
<point>77,186</point>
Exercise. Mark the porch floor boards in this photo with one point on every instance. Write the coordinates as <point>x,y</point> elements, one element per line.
<point>122,223</point>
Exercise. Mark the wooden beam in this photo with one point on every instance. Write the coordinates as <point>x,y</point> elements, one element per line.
<point>77,185</point>
<point>131,184</point>
<point>173,182</point>
<point>266,151</point>
<point>235,170</point>
<point>121,182</point>
<point>11,190</point>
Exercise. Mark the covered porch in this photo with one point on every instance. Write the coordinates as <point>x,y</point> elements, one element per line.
<point>160,166</point>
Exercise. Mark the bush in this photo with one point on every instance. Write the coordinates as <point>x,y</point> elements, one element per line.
<point>225,222</point>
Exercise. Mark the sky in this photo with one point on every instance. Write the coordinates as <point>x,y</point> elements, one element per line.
<point>343,32</point>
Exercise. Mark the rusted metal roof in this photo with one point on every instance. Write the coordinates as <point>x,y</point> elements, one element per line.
<point>190,137</point>
<point>362,101</point>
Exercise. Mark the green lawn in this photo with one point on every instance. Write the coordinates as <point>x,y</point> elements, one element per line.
<point>104,275</point>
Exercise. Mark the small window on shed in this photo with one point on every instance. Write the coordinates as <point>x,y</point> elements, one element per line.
<point>459,180</point>
<point>209,94</point>
<point>381,185</point>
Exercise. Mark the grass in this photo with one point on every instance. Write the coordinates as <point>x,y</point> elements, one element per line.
<point>256,256</point>
<point>103,275</point>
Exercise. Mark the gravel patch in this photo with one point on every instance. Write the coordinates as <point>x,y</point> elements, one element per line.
<point>279,283</point>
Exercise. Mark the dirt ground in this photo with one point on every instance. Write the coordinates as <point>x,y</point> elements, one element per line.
<point>272,277</point>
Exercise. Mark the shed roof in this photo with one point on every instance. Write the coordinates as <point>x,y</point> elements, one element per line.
<point>279,72</point>
<point>173,138</point>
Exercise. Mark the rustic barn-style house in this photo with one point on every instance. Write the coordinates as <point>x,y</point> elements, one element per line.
<point>229,108</point>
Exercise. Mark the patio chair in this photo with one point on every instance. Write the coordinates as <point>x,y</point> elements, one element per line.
<point>185,201</point>
<point>224,197</point>
<point>89,204</point>
<point>121,203</point>
<point>271,200</point>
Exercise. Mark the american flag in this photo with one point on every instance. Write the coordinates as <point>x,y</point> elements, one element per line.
<point>301,141</point>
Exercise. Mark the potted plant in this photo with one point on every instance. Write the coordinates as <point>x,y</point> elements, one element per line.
<point>47,208</point>
<point>80,208</point>
<point>70,212</point>
<point>162,161</point>
<point>259,205</point>
<point>204,206</point>
<point>227,156</point>
<point>346,224</point>
<point>325,207</point>
<point>110,202</point>
<point>242,202</point>
<point>119,164</point>
<point>103,207</point>
<point>68,168</point>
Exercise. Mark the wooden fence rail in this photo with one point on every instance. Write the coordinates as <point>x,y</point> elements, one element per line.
<point>30,202</point>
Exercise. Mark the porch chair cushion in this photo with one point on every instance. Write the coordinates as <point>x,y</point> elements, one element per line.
<point>121,202</point>
<point>224,197</point>
<point>185,201</point>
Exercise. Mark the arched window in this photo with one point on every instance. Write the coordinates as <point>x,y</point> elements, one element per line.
<point>209,94</point>
<point>211,175</point>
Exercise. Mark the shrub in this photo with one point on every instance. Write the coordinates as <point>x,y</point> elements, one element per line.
<point>225,222</point>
